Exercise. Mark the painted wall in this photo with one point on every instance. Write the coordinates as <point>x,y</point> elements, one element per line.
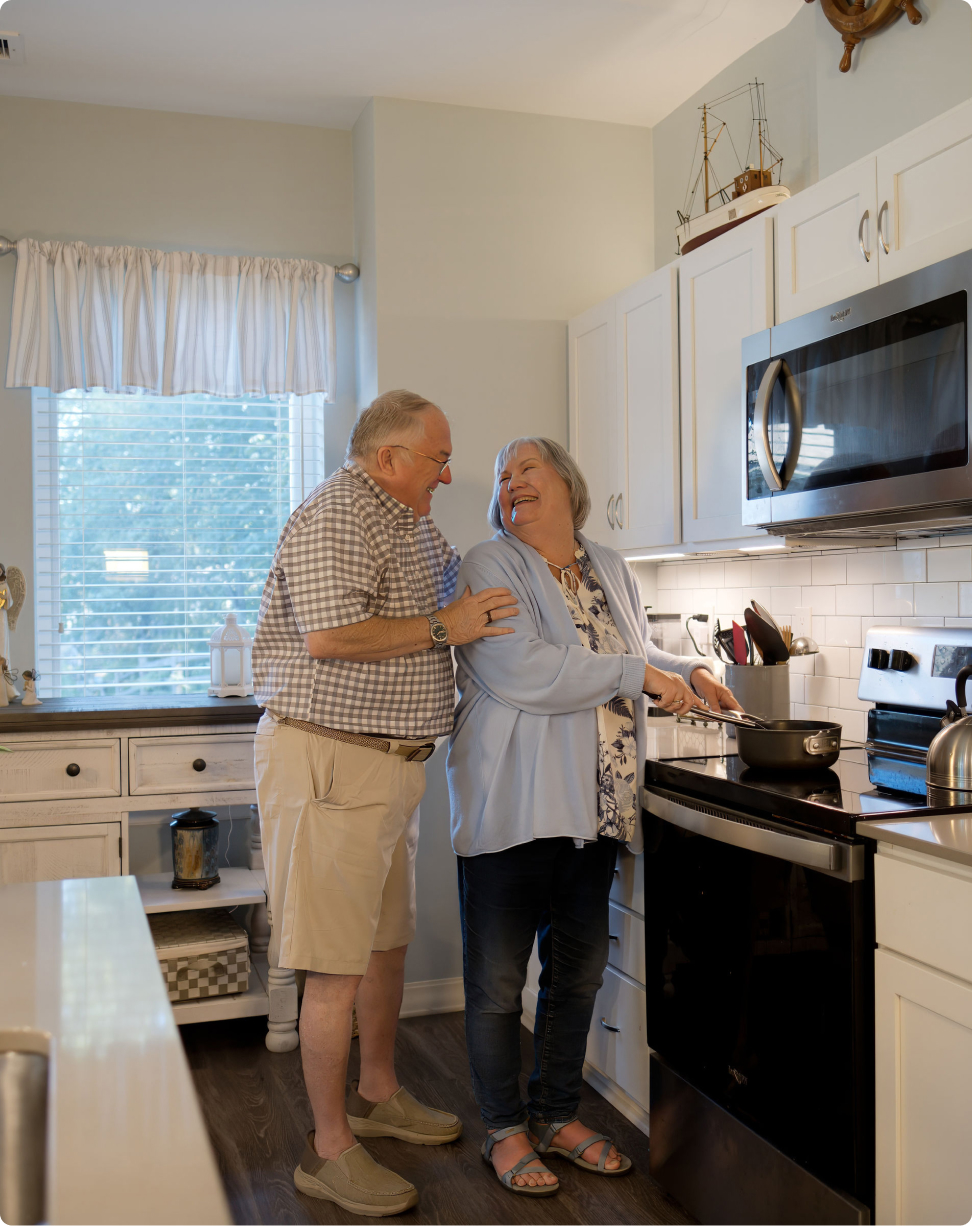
<point>489,230</point>
<point>113,175</point>
<point>819,118</point>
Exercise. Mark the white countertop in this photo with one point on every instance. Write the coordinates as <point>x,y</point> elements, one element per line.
<point>126,1138</point>
<point>947,837</point>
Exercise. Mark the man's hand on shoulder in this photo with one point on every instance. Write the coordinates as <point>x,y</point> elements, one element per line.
<point>472,617</point>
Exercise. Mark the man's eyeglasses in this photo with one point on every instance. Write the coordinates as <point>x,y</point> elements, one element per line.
<point>443,464</point>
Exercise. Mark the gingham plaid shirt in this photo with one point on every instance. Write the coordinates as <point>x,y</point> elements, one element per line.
<point>350,552</point>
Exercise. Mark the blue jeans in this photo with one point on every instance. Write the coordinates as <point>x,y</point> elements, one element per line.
<point>559,893</point>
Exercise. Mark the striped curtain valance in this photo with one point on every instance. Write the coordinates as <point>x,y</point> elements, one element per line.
<point>170,322</point>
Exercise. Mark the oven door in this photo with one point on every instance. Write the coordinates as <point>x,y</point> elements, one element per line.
<point>859,412</point>
<point>760,981</point>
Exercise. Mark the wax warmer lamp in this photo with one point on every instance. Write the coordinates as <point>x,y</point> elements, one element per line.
<point>230,666</point>
<point>195,847</point>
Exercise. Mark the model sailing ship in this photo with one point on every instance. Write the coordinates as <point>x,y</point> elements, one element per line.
<point>753,189</point>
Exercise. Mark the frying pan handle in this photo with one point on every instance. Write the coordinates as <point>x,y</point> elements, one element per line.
<point>963,675</point>
<point>821,743</point>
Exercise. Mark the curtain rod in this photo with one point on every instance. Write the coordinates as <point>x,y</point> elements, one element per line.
<point>343,272</point>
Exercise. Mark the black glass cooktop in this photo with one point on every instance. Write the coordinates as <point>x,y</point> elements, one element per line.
<point>823,800</point>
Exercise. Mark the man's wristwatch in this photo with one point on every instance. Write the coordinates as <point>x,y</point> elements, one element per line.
<point>440,635</point>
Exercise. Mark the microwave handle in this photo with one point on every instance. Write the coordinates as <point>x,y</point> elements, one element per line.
<point>774,477</point>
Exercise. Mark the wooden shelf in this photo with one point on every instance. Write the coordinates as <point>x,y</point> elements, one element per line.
<point>237,887</point>
<point>254,1002</point>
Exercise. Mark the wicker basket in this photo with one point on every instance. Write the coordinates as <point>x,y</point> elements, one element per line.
<point>201,953</point>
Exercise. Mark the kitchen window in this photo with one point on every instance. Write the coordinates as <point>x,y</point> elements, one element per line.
<point>153,517</point>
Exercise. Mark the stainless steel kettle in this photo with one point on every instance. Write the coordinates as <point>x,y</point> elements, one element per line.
<point>948,767</point>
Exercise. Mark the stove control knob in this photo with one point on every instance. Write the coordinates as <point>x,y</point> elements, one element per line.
<point>902,661</point>
<point>877,657</point>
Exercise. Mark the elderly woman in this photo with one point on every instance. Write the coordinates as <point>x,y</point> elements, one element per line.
<point>544,765</point>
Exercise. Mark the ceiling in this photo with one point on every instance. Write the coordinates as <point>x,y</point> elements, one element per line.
<point>318,61</point>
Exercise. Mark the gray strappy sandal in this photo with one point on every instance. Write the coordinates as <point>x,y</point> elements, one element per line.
<point>544,1147</point>
<point>506,1179</point>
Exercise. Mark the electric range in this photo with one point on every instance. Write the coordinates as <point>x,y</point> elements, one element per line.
<point>759,922</point>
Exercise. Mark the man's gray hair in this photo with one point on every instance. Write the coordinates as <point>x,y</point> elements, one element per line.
<point>561,461</point>
<point>391,417</point>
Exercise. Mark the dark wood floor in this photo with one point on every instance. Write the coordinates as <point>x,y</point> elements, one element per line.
<point>258,1114</point>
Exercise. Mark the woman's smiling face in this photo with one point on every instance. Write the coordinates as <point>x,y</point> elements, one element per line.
<point>532,492</point>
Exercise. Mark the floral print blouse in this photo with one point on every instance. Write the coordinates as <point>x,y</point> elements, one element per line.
<point>616,755</point>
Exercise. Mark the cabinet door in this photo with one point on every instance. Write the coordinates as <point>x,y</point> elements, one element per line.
<point>54,853</point>
<point>923,1099</point>
<point>647,339</point>
<point>617,1044</point>
<point>594,414</point>
<point>725,294</point>
<point>924,185</point>
<point>826,241</point>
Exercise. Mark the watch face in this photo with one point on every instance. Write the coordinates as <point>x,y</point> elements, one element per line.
<point>439,632</point>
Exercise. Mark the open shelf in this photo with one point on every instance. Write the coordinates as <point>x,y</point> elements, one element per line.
<point>237,887</point>
<point>254,1002</point>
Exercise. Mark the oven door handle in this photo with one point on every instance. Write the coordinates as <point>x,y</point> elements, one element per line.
<point>825,857</point>
<point>778,478</point>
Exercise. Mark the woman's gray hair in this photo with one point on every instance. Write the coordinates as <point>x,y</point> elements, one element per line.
<point>561,461</point>
<point>392,416</point>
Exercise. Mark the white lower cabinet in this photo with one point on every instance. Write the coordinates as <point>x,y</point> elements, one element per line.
<point>54,853</point>
<point>629,882</point>
<point>922,1039</point>
<point>618,1042</point>
<point>162,764</point>
<point>626,949</point>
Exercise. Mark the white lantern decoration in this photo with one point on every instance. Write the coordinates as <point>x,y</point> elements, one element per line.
<point>230,666</point>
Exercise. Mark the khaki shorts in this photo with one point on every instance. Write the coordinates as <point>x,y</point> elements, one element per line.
<point>340,830</point>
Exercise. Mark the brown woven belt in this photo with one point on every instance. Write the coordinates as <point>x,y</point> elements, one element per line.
<point>402,749</point>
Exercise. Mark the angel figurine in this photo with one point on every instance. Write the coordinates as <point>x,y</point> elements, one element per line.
<point>13,592</point>
<point>30,698</point>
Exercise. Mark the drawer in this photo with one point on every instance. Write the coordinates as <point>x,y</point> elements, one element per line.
<point>923,912</point>
<point>626,948</point>
<point>629,882</point>
<point>162,764</point>
<point>59,770</point>
<point>618,1042</point>
<point>54,853</point>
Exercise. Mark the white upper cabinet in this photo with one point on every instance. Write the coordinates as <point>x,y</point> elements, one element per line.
<point>725,294</point>
<point>924,183</point>
<point>827,241</point>
<point>594,422</point>
<point>648,512</point>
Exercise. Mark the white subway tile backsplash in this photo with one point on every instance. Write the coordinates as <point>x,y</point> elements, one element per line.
<point>797,687</point>
<point>949,564</point>
<point>794,571</point>
<point>731,600</point>
<point>828,570</point>
<point>867,568</point>
<point>832,662</point>
<point>868,622</point>
<point>923,621</point>
<point>784,600</point>
<point>802,665</point>
<point>762,595</point>
<point>853,724</point>
<point>766,571</point>
<point>688,575</point>
<point>856,659</point>
<point>823,600</point>
<point>712,574</point>
<point>802,711</point>
<point>843,632</point>
<point>818,629</point>
<point>739,574</point>
<point>907,566</point>
<point>959,623</point>
<point>965,600</point>
<point>822,691</point>
<point>848,695</point>
<point>894,598</point>
<point>855,598</point>
<point>937,599</point>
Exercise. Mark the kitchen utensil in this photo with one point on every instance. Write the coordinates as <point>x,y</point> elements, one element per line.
<point>803,645</point>
<point>790,744</point>
<point>948,767</point>
<point>763,692</point>
<point>768,637</point>
<point>739,654</point>
<point>787,633</point>
<point>195,843</point>
<point>739,719</point>
<point>766,615</point>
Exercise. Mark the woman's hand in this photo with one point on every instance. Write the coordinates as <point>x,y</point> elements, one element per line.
<point>669,691</point>
<point>713,693</point>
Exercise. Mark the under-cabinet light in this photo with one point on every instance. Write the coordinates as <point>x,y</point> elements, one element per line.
<point>763,548</point>
<point>654,557</point>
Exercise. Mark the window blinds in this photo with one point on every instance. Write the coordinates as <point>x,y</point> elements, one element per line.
<point>154,516</point>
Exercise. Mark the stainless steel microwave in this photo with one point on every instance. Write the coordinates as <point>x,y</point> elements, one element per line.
<point>857,415</point>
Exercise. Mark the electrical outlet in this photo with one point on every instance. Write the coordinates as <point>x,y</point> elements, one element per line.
<point>802,620</point>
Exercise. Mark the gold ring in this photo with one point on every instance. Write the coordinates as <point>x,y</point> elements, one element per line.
<point>489,618</point>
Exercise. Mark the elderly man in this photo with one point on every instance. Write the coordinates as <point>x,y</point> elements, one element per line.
<point>351,660</point>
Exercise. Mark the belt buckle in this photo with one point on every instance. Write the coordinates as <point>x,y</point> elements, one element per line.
<point>413,755</point>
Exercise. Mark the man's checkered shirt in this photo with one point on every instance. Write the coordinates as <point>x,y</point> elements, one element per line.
<point>350,552</point>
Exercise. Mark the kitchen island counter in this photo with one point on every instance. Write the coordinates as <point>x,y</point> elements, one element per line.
<point>126,1138</point>
<point>949,838</point>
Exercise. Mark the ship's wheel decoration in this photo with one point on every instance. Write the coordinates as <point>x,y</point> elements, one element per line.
<point>855,20</point>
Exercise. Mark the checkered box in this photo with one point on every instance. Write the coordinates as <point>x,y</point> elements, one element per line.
<point>201,953</point>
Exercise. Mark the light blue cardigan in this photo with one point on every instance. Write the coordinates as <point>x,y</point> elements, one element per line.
<point>522,760</point>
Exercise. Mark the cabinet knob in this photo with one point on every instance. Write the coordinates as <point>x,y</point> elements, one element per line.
<point>199,764</point>
<point>612,937</point>
<point>73,769</point>
<point>613,1029</point>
